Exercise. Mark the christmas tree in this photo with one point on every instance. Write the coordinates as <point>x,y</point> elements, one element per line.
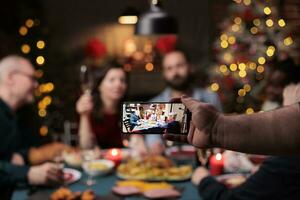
<point>251,38</point>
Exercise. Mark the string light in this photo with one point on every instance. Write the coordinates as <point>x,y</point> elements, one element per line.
<point>260,69</point>
<point>231,40</point>
<point>254,30</point>
<point>270,51</point>
<point>247,2</point>
<point>242,92</point>
<point>23,30</point>
<point>40,60</point>
<point>252,65</point>
<point>224,44</point>
<point>281,22</point>
<point>242,66</point>
<point>247,87</point>
<point>238,20</point>
<point>242,73</point>
<point>269,22</point>
<point>256,22</point>
<point>233,67</point>
<point>149,67</point>
<point>223,37</point>
<point>40,44</point>
<point>25,48</point>
<point>43,130</point>
<point>42,113</point>
<point>249,111</point>
<point>214,87</point>
<point>29,23</point>
<point>261,60</point>
<point>288,41</point>
<point>267,10</point>
<point>235,28</point>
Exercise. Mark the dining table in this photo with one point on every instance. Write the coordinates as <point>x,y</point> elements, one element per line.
<point>102,188</point>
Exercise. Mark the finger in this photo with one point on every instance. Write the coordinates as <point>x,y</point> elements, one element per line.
<point>191,133</point>
<point>189,102</point>
<point>177,138</point>
<point>175,100</point>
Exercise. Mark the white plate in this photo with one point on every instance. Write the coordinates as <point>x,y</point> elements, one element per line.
<point>71,175</point>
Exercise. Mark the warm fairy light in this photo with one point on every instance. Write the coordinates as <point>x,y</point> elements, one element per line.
<point>49,87</point>
<point>272,48</point>
<point>128,19</point>
<point>233,67</point>
<point>260,69</point>
<point>42,113</point>
<point>242,92</point>
<point>40,44</point>
<point>281,23</point>
<point>247,87</point>
<point>242,66</point>
<point>231,40</point>
<point>223,68</point>
<point>223,37</point>
<point>224,44</point>
<point>29,23</point>
<point>269,52</point>
<point>242,74</point>
<point>261,60</point>
<point>249,111</point>
<point>47,100</point>
<point>288,41</point>
<point>235,28</point>
<point>247,2</point>
<point>252,65</point>
<point>40,60</point>
<point>25,48</point>
<point>39,73</point>
<point>23,30</point>
<point>227,57</point>
<point>237,20</point>
<point>238,1</point>
<point>219,156</point>
<point>269,22</point>
<point>127,67</point>
<point>149,67</point>
<point>254,30</point>
<point>42,105</point>
<point>256,22</point>
<point>43,130</point>
<point>214,87</point>
<point>267,10</point>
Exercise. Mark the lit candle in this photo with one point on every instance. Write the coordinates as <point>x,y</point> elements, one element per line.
<point>216,164</point>
<point>114,155</point>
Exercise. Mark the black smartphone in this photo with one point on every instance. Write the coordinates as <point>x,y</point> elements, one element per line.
<point>155,118</point>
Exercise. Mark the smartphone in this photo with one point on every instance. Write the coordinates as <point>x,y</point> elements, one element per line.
<point>155,118</point>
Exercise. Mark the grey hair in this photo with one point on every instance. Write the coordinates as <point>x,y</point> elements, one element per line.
<point>10,63</point>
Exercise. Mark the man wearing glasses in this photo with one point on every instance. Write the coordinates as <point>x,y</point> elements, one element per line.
<point>17,85</point>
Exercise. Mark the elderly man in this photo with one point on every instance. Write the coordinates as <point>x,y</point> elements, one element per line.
<point>17,84</point>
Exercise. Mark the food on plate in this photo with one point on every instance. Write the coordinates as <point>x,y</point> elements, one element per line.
<point>162,193</point>
<point>149,190</point>
<point>153,168</point>
<point>73,157</point>
<point>64,193</point>
<point>97,166</point>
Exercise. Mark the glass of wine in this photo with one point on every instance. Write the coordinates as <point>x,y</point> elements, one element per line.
<point>86,79</point>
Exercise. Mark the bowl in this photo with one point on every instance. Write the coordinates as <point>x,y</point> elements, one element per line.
<point>98,167</point>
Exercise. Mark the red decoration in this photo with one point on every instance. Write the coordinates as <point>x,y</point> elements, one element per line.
<point>166,44</point>
<point>95,48</point>
<point>114,155</point>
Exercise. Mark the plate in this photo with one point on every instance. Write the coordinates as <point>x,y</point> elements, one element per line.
<point>232,180</point>
<point>71,175</point>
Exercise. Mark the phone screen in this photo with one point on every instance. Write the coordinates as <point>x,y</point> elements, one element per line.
<point>154,118</point>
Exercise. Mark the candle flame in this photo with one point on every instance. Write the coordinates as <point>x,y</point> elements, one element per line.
<point>219,156</point>
<point>114,152</point>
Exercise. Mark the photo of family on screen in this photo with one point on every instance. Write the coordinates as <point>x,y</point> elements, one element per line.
<point>154,118</point>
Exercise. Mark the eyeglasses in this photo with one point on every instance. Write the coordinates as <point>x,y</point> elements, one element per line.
<point>30,76</point>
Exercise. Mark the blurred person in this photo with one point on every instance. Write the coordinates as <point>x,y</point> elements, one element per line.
<point>100,111</point>
<point>278,176</point>
<point>177,74</point>
<point>17,85</point>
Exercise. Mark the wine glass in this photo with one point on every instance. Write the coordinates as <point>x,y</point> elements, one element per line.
<point>203,156</point>
<point>89,155</point>
<point>86,79</point>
